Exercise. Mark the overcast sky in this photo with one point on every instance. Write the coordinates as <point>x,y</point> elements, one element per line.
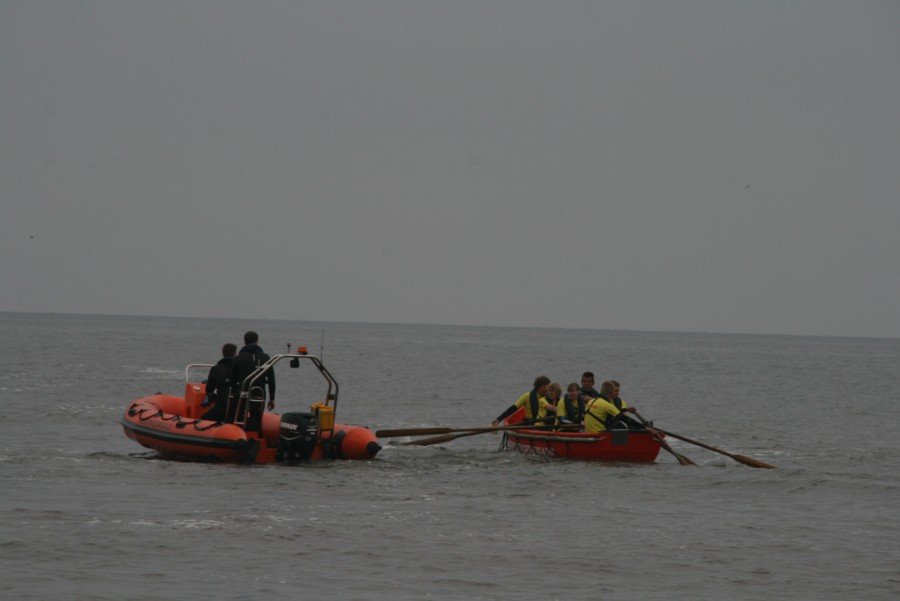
<point>725,166</point>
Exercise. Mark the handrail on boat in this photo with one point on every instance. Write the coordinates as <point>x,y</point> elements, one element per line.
<point>247,385</point>
<point>187,377</point>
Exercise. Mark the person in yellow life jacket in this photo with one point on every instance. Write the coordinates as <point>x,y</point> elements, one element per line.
<point>621,405</point>
<point>616,399</point>
<point>570,409</point>
<point>534,402</point>
<point>601,414</point>
<point>554,393</point>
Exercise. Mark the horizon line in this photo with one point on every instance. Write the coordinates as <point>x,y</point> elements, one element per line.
<point>454,325</point>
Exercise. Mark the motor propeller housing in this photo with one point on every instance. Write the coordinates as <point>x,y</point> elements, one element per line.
<point>297,436</point>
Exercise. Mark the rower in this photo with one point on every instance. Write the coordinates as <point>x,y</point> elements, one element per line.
<point>570,409</point>
<point>621,405</point>
<point>535,403</point>
<point>601,414</point>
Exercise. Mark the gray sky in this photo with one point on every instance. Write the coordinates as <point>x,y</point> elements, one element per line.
<point>654,165</point>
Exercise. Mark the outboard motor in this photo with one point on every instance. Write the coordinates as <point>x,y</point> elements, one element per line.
<point>297,436</point>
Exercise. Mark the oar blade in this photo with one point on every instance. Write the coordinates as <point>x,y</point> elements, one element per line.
<point>685,460</point>
<point>682,459</point>
<point>424,442</point>
<point>739,458</point>
<point>752,462</point>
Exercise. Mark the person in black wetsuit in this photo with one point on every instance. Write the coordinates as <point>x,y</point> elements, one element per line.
<point>251,357</point>
<point>218,385</point>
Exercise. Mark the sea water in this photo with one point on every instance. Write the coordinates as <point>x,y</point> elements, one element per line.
<point>86,513</point>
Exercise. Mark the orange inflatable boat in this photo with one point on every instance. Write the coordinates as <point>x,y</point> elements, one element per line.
<point>172,426</point>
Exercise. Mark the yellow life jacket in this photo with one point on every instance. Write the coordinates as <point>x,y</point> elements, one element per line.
<point>596,413</point>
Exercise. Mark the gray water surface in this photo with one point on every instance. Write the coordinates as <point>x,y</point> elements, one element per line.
<point>85,513</point>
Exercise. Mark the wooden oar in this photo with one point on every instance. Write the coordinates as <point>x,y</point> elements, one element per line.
<point>448,437</point>
<point>682,459</point>
<point>424,442</point>
<point>397,433</point>
<point>739,458</point>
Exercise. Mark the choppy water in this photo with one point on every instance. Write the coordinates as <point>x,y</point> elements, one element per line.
<point>86,513</point>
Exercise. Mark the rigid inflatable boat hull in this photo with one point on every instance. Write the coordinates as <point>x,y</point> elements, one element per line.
<point>157,422</point>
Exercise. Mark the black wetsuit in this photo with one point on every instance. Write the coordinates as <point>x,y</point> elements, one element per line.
<point>246,362</point>
<point>251,357</point>
<point>218,384</point>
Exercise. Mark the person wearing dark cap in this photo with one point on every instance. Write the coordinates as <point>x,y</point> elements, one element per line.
<point>248,359</point>
<point>218,384</point>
